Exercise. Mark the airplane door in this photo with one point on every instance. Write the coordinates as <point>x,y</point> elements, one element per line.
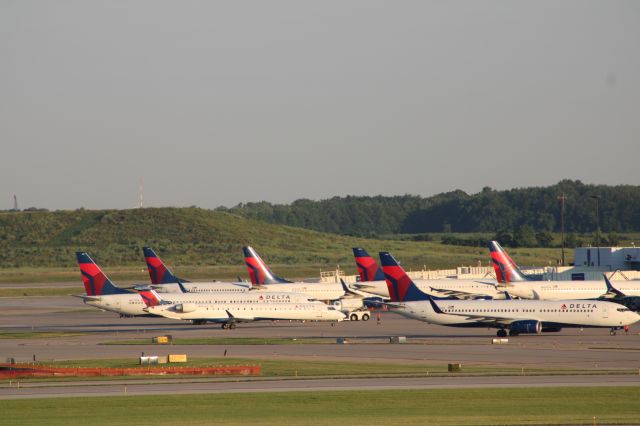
<point>605,312</point>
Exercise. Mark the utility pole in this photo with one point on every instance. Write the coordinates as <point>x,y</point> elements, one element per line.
<point>562,199</point>
<point>140,193</point>
<point>597,198</point>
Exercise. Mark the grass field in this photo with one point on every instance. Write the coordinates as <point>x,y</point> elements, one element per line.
<point>414,256</point>
<point>38,334</point>
<point>585,406</point>
<point>200,244</point>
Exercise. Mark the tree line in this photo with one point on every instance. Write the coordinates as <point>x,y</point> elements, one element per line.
<point>532,211</point>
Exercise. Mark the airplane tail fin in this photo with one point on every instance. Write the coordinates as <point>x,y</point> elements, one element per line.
<point>258,270</point>
<point>505,268</point>
<point>367,266</point>
<point>150,297</point>
<point>401,287</point>
<point>96,283</point>
<point>158,271</point>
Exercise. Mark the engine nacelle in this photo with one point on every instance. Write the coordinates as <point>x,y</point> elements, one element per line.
<point>185,308</point>
<point>526,327</point>
<point>551,329</point>
<point>348,304</point>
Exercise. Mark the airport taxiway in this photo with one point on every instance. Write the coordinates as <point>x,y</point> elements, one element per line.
<point>588,349</point>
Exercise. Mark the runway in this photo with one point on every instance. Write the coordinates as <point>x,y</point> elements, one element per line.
<point>588,349</point>
<point>40,390</point>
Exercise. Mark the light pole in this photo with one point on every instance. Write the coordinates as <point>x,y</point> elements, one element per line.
<point>597,198</point>
<point>562,199</point>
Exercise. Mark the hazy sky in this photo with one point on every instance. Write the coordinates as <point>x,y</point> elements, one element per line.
<point>216,103</point>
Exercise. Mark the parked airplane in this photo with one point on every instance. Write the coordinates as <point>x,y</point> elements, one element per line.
<point>372,281</point>
<point>230,309</point>
<point>102,293</point>
<point>263,278</point>
<point>517,284</point>
<point>516,316</point>
<point>163,279</point>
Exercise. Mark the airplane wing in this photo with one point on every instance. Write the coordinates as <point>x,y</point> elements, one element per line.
<point>459,294</point>
<point>481,318</point>
<point>486,319</point>
<point>349,290</point>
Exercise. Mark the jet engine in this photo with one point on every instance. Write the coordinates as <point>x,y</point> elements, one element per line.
<point>525,327</point>
<point>355,303</point>
<point>185,308</point>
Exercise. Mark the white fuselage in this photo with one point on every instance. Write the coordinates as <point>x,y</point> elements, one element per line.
<point>562,290</point>
<point>203,287</point>
<point>315,291</point>
<point>247,306</point>
<point>123,304</point>
<point>469,313</point>
<point>441,287</point>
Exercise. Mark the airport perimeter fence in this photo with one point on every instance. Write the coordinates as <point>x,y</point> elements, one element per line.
<point>13,371</point>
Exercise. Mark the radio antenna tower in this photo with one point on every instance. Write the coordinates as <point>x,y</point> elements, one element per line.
<point>141,192</point>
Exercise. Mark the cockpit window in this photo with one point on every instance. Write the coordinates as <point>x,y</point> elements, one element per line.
<point>623,309</point>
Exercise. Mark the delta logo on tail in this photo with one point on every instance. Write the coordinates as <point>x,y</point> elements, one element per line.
<point>95,281</point>
<point>401,288</point>
<point>158,271</point>
<point>505,268</point>
<point>258,270</point>
<point>367,266</point>
<point>149,297</point>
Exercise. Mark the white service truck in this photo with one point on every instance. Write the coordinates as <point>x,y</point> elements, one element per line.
<point>353,308</point>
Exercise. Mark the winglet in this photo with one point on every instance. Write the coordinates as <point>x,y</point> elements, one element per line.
<point>611,289</point>
<point>182,288</point>
<point>435,307</point>
<point>345,287</point>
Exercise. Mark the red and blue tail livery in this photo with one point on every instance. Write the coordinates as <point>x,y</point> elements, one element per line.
<point>158,271</point>
<point>258,270</point>
<point>367,266</point>
<point>95,281</point>
<point>505,268</point>
<point>149,297</point>
<point>401,287</point>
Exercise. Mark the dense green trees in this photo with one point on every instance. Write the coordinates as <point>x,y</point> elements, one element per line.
<point>528,211</point>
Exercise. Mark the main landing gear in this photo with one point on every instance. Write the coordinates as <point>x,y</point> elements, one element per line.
<point>230,326</point>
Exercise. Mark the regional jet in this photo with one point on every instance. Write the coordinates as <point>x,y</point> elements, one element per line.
<point>229,309</point>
